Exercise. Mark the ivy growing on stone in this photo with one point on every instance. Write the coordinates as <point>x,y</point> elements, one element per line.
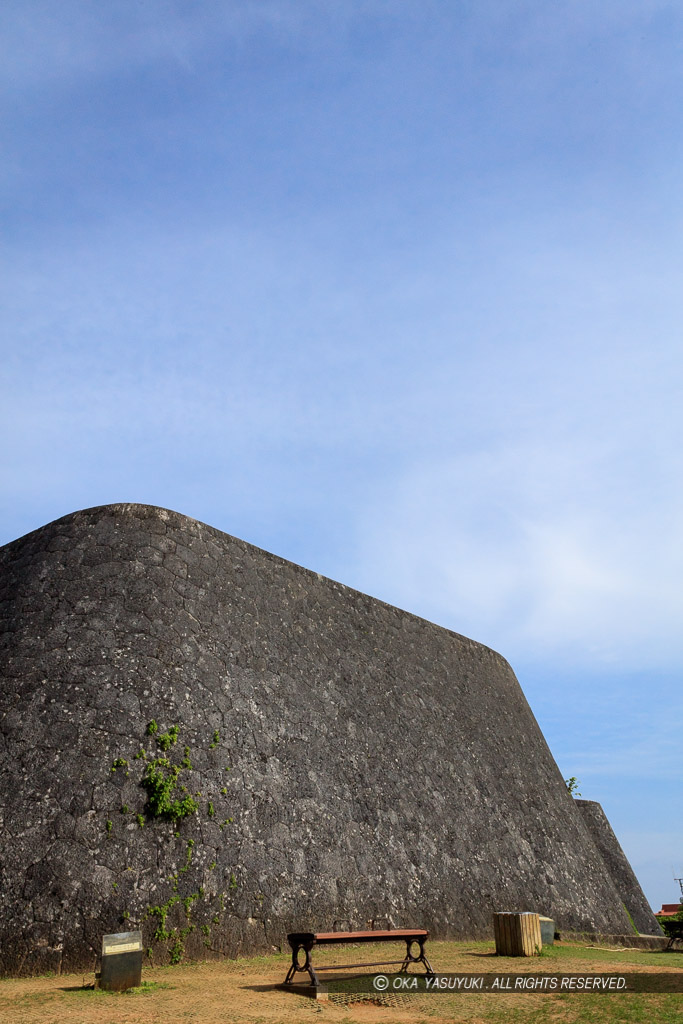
<point>160,781</point>
<point>166,781</point>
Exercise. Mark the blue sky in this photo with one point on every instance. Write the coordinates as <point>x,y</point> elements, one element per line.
<point>392,289</point>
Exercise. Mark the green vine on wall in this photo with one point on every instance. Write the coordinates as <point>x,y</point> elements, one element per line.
<point>161,781</point>
<point>165,781</point>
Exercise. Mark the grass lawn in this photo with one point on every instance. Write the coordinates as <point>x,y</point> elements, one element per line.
<point>249,992</point>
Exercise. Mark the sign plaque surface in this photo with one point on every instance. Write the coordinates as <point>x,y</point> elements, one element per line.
<point>121,961</point>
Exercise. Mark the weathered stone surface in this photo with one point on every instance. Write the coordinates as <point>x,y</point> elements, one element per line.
<point>621,872</point>
<point>381,767</point>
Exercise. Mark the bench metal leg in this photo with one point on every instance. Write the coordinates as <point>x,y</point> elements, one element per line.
<point>421,959</point>
<point>306,967</point>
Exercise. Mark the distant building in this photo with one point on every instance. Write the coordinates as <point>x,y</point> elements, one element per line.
<point>669,909</point>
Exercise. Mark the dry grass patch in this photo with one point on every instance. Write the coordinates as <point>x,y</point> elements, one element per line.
<point>248,992</point>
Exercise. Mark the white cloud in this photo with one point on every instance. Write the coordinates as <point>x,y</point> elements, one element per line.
<point>525,548</point>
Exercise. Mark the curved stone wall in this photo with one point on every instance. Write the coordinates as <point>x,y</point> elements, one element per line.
<point>354,762</point>
<point>621,872</point>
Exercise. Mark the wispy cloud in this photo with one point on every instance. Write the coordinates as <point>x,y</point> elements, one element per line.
<point>523,547</point>
<point>44,43</point>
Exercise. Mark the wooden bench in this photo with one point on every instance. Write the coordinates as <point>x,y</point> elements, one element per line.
<point>303,942</point>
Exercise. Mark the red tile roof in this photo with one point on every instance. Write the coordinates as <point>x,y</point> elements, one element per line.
<point>669,908</point>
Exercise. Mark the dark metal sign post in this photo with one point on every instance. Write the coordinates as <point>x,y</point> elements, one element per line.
<point>121,961</point>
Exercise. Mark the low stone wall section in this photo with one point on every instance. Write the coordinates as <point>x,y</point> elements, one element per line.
<point>620,870</point>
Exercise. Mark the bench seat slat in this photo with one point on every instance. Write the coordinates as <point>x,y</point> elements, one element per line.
<point>350,967</point>
<point>327,938</point>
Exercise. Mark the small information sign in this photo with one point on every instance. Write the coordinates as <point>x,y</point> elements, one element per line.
<point>121,961</point>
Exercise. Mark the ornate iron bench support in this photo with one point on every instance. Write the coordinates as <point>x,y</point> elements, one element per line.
<point>302,944</point>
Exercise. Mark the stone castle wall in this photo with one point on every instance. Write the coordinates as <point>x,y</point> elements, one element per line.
<point>620,870</point>
<point>376,767</point>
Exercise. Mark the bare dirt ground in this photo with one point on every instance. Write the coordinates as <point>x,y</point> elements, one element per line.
<point>248,992</point>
